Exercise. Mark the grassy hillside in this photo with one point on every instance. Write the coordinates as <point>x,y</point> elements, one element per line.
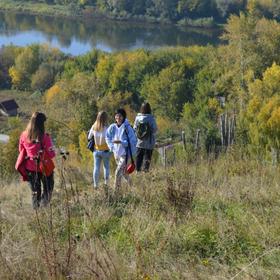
<point>214,219</point>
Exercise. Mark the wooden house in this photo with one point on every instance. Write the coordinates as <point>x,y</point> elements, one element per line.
<point>8,108</point>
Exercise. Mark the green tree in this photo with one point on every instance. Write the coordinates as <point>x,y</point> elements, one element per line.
<point>73,103</point>
<point>83,63</point>
<point>26,64</point>
<point>170,89</point>
<point>8,55</point>
<point>43,78</point>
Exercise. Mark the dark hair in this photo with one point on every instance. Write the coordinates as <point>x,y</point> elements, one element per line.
<point>145,108</point>
<point>36,126</point>
<point>122,112</point>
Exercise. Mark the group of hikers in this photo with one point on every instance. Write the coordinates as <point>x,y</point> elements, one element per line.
<point>36,150</point>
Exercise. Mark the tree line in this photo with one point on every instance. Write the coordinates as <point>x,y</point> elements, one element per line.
<point>189,88</point>
<point>181,11</point>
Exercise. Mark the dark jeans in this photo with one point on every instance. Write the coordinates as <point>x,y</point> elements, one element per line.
<point>143,157</point>
<point>35,179</point>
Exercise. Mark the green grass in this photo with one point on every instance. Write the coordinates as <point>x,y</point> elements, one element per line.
<point>194,221</point>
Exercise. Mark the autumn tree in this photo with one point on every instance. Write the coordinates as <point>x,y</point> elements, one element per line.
<point>263,111</point>
<point>26,64</point>
<point>73,104</point>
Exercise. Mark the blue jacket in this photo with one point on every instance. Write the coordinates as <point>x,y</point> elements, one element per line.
<point>110,134</point>
<point>148,143</point>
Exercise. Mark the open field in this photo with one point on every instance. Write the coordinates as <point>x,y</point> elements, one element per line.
<point>216,219</point>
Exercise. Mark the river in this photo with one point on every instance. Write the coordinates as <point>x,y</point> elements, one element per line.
<point>77,37</point>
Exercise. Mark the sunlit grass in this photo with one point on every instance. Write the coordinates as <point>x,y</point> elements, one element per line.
<point>205,220</point>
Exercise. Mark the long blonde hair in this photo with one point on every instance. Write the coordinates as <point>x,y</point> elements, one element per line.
<point>35,129</point>
<point>101,121</point>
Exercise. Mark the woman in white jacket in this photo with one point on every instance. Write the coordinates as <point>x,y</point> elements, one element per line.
<point>120,137</point>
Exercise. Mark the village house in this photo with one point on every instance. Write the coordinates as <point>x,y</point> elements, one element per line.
<point>8,108</point>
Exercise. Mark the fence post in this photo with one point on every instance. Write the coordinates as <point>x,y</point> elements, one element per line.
<point>164,157</point>
<point>274,156</point>
<point>197,139</point>
<point>221,129</point>
<point>184,140</point>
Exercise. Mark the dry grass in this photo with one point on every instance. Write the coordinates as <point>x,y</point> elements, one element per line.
<point>206,220</point>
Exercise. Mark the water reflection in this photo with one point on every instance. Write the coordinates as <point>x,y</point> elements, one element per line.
<point>78,37</point>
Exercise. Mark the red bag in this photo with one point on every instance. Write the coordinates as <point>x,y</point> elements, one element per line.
<point>46,165</point>
<point>130,168</point>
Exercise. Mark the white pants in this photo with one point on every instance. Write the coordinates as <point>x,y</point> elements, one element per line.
<point>121,172</point>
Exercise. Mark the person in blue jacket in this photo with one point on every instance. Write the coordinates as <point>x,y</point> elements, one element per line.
<point>119,136</point>
<point>146,128</point>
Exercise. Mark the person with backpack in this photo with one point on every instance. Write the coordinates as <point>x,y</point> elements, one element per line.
<point>101,151</point>
<point>36,146</point>
<point>121,140</point>
<point>145,128</point>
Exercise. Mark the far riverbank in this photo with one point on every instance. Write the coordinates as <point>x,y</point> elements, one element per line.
<point>89,12</point>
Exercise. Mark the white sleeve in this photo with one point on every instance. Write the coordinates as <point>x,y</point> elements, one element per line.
<point>90,134</point>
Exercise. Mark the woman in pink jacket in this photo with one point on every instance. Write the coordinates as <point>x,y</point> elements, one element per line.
<point>35,141</point>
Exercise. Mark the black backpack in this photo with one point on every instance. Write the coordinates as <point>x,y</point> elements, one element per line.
<point>91,142</point>
<point>143,130</point>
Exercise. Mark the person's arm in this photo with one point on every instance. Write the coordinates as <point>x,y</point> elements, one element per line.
<point>135,123</point>
<point>109,138</point>
<point>20,145</point>
<point>90,134</point>
<point>48,146</point>
<point>154,125</point>
<point>127,132</point>
<point>124,141</point>
<point>131,135</point>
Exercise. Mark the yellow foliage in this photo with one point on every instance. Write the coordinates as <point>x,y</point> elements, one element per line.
<point>103,69</point>
<point>271,79</point>
<point>274,120</point>
<point>163,124</point>
<point>189,62</point>
<point>74,155</point>
<point>118,77</point>
<point>130,113</point>
<point>52,93</point>
<point>255,87</point>
<point>265,3</point>
<point>254,106</point>
<point>84,151</point>
<point>113,101</point>
<point>16,76</point>
<point>263,109</point>
<point>213,105</point>
<point>251,5</point>
<point>72,149</point>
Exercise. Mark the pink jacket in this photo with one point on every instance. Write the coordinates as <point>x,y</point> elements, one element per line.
<point>32,149</point>
<point>20,165</point>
